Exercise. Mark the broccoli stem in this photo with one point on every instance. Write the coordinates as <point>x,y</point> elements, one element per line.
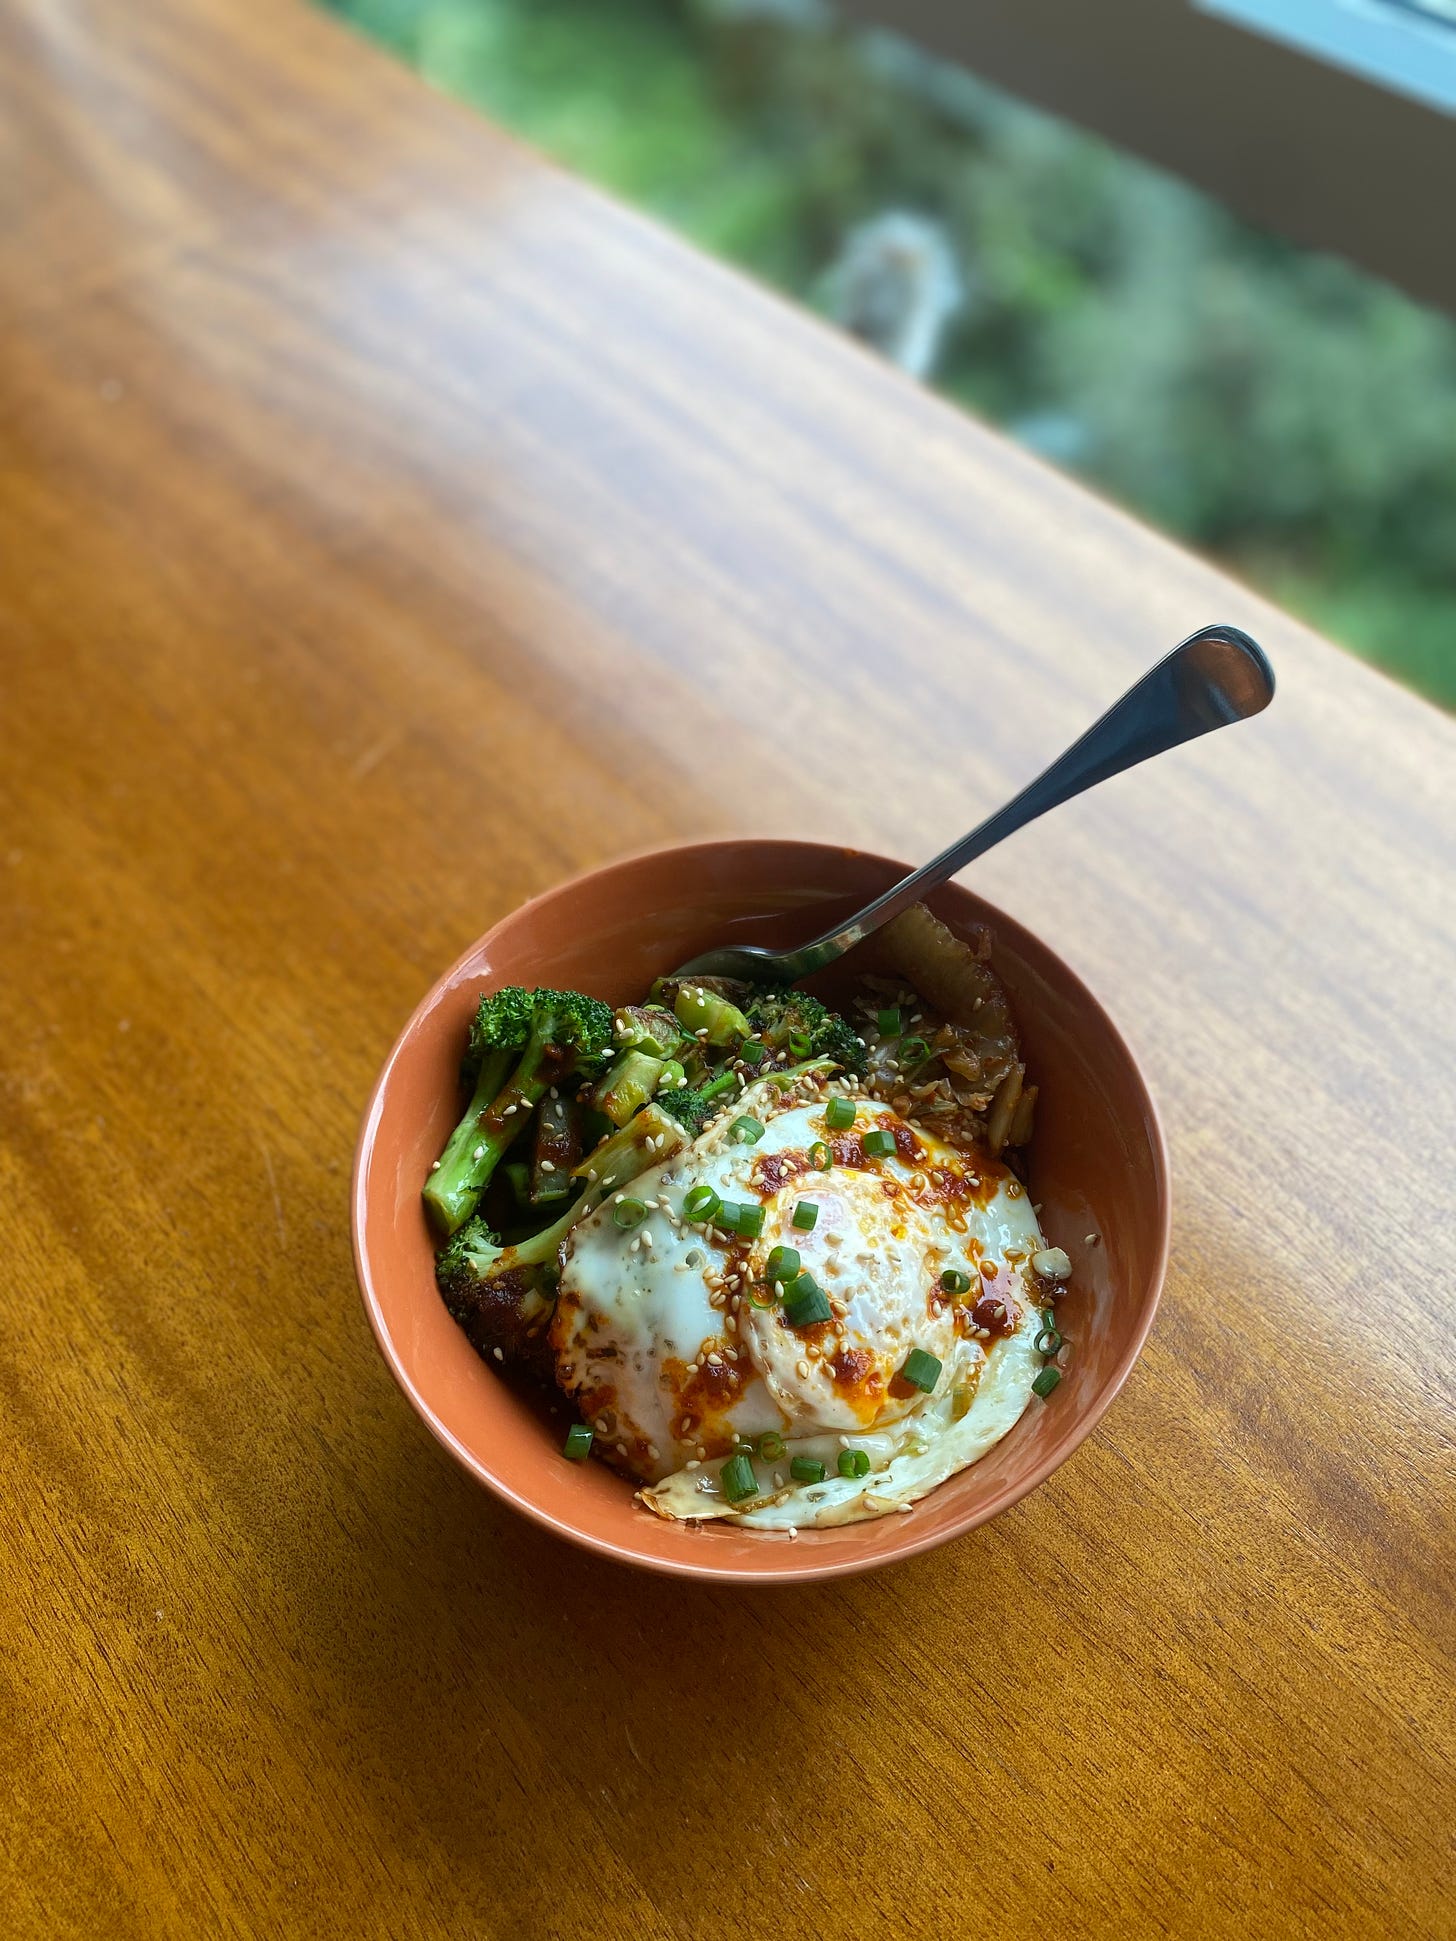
<point>449,1194</point>
<point>479,1142</point>
<point>555,1149</point>
<point>629,1084</point>
<point>698,1010</point>
<point>649,1028</point>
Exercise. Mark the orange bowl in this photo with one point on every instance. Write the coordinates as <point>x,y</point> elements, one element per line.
<point>1098,1166</point>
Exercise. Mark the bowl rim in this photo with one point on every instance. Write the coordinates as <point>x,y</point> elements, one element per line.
<point>809,1570</point>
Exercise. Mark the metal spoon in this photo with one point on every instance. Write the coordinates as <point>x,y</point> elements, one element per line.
<point>1216,676</point>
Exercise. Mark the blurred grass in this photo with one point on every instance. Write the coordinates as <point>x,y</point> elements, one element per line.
<point>1285,412</point>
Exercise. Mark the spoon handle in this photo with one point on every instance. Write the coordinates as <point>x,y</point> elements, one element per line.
<point>1216,676</point>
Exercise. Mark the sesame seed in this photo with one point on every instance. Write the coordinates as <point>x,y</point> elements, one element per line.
<point>715,1360</point>
<point>692,1464</point>
<point>548,1166</point>
<point>497,1353</point>
<point>434,1165</point>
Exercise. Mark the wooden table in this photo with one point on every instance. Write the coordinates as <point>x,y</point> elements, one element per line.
<point>388,527</point>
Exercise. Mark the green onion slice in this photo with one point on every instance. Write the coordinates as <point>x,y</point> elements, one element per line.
<point>783,1263</point>
<point>806,1469</point>
<point>955,1282</point>
<point>1048,1342</point>
<point>746,1130</point>
<point>889,1022</point>
<point>748,1221</point>
<point>738,1479</point>
<point>839,1115</point>
<point>761,1294</point>
<point>1047,1380</point>
<point>771,1446</point>
<point>820,1157</point>
<point>921,1370</point>
<point>799,1045</point>
<point>629,1213</point>
<point>806,1213</point>
<point>879,1144</point>
<point>700,1203</point>
<point>806,1303</point>
<point>853,1462</point>
<point>912,1052</point>
<point>578,1444</point>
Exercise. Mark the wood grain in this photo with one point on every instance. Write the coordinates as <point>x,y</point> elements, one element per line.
<point>389,526</point>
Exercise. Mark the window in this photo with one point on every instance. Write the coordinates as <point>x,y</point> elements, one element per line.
<point>1409,45</point>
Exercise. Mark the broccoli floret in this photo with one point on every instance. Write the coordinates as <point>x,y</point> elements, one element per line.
<point>501,1299</point>
<point>502,1296</point>
<point>795,1022</point>
<point>475,1255</point>
<point>839,1040</point>
<point>521,1042</point>
<point>465,1259</point>
<point>502,1023</point>
<point>693,1105</point>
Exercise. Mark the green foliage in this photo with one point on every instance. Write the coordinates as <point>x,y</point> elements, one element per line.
<point>1278,407</point>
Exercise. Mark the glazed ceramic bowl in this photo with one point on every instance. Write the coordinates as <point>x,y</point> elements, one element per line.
<point>1098,1166</point>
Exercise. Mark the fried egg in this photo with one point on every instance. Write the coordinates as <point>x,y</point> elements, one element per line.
<point>680,1352</point>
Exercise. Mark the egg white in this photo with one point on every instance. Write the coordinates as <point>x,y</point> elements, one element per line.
<point>641,1309</point>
